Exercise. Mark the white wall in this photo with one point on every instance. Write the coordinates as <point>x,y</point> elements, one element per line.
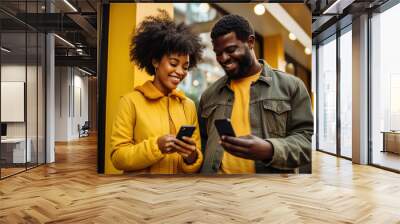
<point>71,102</point>
<point>33,127</point>
<point>61,103</point>
<point>16,73</point>
<point>13,72</point>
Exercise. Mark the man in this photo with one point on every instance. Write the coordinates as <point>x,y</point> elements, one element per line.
<point>270,110</point>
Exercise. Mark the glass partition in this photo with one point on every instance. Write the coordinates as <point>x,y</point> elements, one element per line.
<point>22,63</point>
<point>14,153</point>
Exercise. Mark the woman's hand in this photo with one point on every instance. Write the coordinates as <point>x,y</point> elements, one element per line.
<point>165,143</point>
<point>186,148</point>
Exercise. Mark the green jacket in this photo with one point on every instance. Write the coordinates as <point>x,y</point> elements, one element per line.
<point>280,112</point>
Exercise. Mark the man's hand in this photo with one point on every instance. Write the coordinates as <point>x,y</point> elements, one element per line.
<point>248,147</point>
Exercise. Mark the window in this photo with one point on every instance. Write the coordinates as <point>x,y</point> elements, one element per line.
<point>385,89</point>
<point>327,96</point>
<point>346,93</point>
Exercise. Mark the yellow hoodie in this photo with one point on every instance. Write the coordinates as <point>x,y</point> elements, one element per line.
<point>142,118</point>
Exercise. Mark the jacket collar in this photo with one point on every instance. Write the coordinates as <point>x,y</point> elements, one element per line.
<point>265,76</point>
<point>151,92</point>
<point>266,73</point>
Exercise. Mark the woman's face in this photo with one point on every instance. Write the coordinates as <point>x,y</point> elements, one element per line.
<point>170,71</point>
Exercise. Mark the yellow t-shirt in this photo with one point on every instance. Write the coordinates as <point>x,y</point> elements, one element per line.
<point>241,124</point>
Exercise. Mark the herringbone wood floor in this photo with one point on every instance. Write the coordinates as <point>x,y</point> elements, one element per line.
<point>70,191</point>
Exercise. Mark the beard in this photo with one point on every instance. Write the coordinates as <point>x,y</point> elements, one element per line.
<point>244,65</point>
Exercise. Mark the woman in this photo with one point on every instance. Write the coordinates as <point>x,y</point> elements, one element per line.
<point>143,136</point>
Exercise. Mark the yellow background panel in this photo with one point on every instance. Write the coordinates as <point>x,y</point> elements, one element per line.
<point>122,75</point>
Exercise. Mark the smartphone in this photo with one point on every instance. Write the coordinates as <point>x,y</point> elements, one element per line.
<point>224,127</point>
<point>185,130</point>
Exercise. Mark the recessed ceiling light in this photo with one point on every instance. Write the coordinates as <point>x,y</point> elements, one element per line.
<point>259,9</point>
<point>307,51</point>
<point>5,50</point>
<point>70,5</point>
<point>289,23</point>
<point>64,40</point>
<point>292,36</point>
<point>204,7</point>
<point>84,71</point>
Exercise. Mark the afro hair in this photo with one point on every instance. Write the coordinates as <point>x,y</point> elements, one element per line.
<point>232,23</point>
<point>157,36</point>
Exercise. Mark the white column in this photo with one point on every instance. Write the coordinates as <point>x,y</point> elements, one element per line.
<point>360,90</point>
<point>50,94</point>
<point>313,92</point>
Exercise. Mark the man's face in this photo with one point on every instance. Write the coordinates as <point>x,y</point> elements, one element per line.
<point>233,55</point>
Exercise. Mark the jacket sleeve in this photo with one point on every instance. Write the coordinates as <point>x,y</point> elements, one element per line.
<point>202,126</point>
<point>126,154</point>
<point>193,168</point>
<point>294,150</point>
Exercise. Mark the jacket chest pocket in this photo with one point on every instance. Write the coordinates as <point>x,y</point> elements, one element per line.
<point>275,116</point>
<point>208,111</point>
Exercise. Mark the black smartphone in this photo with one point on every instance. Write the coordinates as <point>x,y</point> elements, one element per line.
<point>224,127</point>
<point>185,130</point>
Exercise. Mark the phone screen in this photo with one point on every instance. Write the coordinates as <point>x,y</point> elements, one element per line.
<point>224,127</point>
<point>186,130</point>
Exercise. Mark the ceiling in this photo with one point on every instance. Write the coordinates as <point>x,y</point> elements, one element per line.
<point>77,25</point>
<point>330,15</point>
<point>267,25</point>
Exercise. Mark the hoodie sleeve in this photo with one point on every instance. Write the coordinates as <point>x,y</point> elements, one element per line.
<point>193,168</point>
<point>126,154</point>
